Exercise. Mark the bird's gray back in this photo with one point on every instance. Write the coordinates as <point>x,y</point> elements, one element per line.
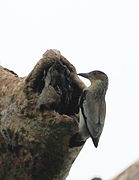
<point>94,108</point>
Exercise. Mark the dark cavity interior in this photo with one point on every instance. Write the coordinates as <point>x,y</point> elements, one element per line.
<point>58,90</point>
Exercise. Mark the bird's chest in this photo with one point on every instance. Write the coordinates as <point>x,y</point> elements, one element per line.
<point>96,94</point>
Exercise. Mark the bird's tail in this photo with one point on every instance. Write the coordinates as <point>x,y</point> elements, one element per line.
<point>95,141</point>
<point>76,141</point>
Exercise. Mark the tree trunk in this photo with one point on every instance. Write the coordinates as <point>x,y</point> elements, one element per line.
<point>38,116</point>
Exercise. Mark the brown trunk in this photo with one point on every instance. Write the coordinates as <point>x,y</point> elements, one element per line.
<point>38,116</point>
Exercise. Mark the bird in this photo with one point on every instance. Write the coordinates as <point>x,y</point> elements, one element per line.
<point>92,109</point>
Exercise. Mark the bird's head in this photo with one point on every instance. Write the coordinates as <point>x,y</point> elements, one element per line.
<point>95,76</point>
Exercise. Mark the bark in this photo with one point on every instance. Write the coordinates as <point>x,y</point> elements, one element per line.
<point>38,116</point>
<point>131,173</point>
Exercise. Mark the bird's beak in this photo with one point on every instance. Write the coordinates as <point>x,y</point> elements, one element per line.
<point>85,75</point>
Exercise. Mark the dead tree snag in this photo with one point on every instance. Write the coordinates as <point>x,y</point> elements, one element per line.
<point>38,116</point>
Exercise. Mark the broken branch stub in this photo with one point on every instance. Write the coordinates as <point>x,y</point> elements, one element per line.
<point>131,173</point>
<point>37,119</point>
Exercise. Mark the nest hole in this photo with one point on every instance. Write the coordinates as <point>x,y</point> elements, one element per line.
<point>59,91</point>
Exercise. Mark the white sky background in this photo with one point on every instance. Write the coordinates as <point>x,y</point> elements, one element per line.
<point>91,34</point>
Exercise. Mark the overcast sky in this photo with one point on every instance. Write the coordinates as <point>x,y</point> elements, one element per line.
<point>91,34</point>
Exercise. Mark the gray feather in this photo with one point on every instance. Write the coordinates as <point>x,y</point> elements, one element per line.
<point>94,111</point>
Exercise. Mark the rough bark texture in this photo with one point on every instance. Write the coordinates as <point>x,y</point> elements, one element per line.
<point>131,173</point>
<point>38,116</point>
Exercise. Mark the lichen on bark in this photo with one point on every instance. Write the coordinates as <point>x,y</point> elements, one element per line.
<point>38,115</point>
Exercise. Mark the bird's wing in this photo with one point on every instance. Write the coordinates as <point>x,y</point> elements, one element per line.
<point>94,112</point>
